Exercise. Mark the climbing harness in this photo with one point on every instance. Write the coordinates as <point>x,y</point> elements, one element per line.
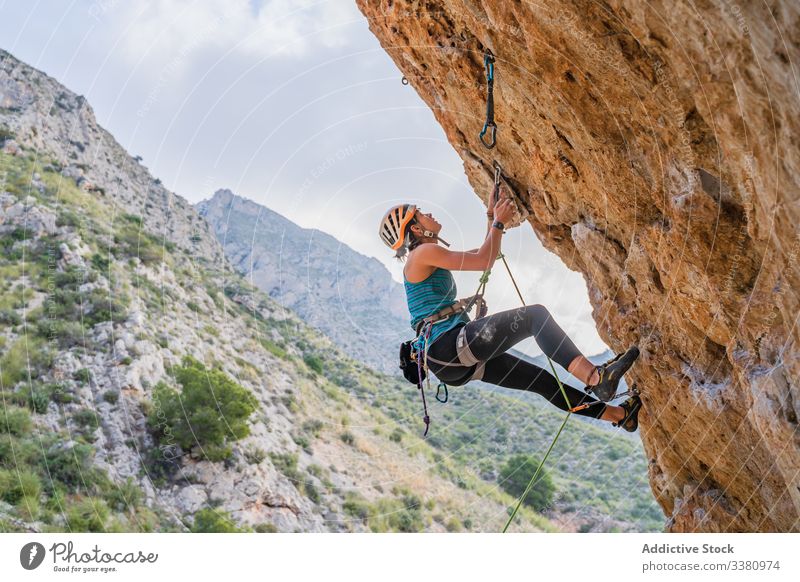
<point>462,305</point>
<point>488,63</point>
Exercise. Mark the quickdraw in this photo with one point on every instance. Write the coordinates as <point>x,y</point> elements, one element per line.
<point>630,392</point>
<point>488,63</point>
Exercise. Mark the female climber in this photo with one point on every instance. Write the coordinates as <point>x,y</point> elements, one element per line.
<point>460,349</point>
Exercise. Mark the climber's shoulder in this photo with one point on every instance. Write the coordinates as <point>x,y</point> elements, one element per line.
<point>426,255</point>
<point>421,262</point>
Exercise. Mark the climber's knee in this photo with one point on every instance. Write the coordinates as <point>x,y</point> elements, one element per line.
<point>538,312</point>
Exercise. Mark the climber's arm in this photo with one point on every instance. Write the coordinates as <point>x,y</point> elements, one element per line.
<point>479,260</point>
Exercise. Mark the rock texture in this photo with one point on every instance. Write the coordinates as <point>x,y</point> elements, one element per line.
<point>653,147</point>
<point>349,297</point>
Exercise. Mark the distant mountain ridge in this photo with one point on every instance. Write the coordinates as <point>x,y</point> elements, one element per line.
<point>350,297</point>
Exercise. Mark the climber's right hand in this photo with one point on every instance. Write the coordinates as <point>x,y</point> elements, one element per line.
<point>504,210</point>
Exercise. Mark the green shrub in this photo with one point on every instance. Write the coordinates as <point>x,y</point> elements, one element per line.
<point>356,506</point>
<point>396,436</point>
<point>26,356</point>
<point>216,453</point>
<point>15,421</point>
<point>161,464</point>
<point>69,219</point>
<point>302,442</point>
<point>132,241</point>
<point>290,402</point>
<point>61,394</point>
<point>386,514</point>
<point>82,375</point>
<point>6,134</point>
<point>87,419</point>
<point>72,466</point>
<point>126,496</point>
<point>71,278</point>
<point>35,397</point>
<point>88,514</point>
<point>314,362</point>
<point>348,438</point>
<point>16,452</point>
<point>311,491</point>
<point>286,463</point>
<point>67,333</point>
<point>254,455</point>
<point>517,473</point>
<point>274,348</point>
<point>102,306</point>
<point>17,486</point>
<point>313,427</point>
<point>133,219</point>
<point>10,317</point>
<point>101,262</point>
<point>213,521</point>
<point>210,409</point>
<point>266,527</point>
<point>111,396</point>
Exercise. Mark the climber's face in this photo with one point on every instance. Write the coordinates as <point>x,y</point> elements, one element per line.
<point>426,221</point>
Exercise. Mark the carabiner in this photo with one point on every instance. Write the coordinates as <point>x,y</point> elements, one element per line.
<point>487,125</point>
<point>498,172</point>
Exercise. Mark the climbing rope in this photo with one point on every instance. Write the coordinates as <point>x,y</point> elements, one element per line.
<point>498,171</point>
<point>491,126</point>
<point>570,408</point>
<point>488,63</point>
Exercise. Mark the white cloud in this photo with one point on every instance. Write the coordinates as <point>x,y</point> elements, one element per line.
<point>173,29</point>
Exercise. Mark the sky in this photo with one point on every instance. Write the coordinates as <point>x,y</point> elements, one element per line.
<point>291,103</point>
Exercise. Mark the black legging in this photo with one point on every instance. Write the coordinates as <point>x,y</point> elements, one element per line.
<point>489,337</point>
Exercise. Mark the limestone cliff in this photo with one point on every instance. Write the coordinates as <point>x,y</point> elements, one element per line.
<point>653,147</point>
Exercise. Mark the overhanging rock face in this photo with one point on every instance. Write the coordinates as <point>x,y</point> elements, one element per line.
<point>654,146</point>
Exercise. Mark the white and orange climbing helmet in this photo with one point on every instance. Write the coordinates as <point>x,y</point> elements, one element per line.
<point>393,226</point>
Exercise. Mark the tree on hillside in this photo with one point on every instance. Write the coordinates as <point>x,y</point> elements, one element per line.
<point>517,473</point>
<point>209,411</point>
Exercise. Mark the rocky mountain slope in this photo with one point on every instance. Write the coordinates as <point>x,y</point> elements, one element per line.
<point>351,298</point>
<point>653,147</point>
<point>146,386</point>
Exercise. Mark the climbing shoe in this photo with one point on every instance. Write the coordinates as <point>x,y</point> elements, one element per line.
<point>611,373</point>
<point>631,406</point>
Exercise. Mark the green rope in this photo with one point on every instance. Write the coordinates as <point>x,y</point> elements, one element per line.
<point>560,386</point>
<point>539,468</point>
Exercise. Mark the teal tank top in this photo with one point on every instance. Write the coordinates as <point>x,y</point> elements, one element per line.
<point>429,296</point>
